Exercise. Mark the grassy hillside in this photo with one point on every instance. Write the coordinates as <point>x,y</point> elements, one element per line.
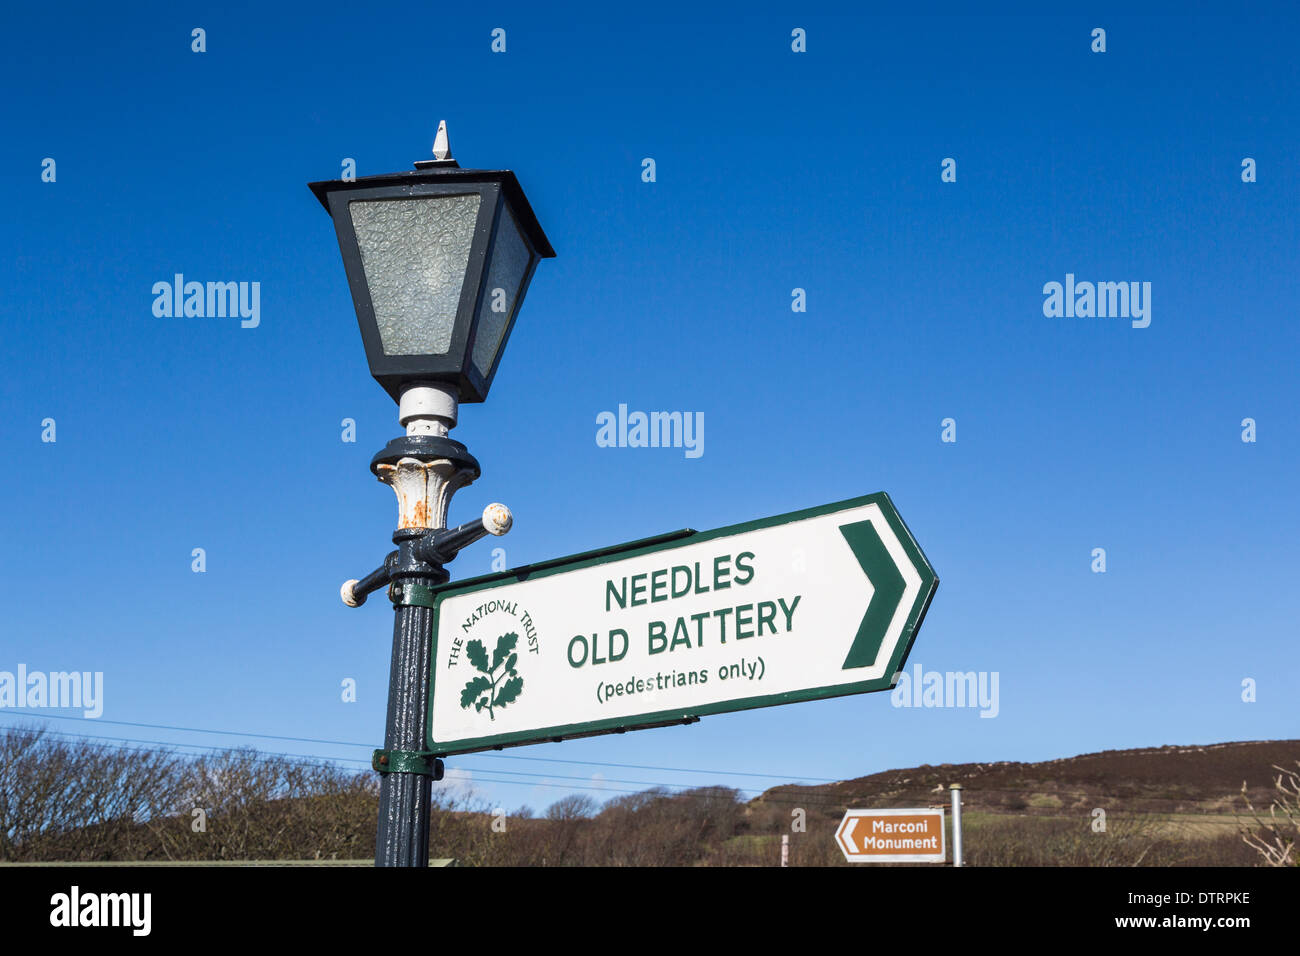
<point>1172,779</point>
<point>1172,805</point>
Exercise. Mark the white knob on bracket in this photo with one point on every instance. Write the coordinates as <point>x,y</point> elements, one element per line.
<point>497,519</point>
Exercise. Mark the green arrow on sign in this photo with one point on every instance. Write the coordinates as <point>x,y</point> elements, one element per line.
<point>884,575</point>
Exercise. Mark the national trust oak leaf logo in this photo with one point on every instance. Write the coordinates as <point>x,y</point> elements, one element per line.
<point>498,684</point>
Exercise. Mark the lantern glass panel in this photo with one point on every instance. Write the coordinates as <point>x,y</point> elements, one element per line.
<point>415,253</point>
<point>511,257</point>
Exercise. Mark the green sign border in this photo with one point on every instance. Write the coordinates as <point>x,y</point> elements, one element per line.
<point>676,539</point>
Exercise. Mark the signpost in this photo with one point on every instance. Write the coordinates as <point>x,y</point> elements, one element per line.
<point>892,836</point>
<point>808,605</point>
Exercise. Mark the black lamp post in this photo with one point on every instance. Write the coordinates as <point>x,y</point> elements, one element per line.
<point>438,261</point>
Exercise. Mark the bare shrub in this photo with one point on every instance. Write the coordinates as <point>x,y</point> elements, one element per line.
<point>1274,838</point>
<point>74,800</point>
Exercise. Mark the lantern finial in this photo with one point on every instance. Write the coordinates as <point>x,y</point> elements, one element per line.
<point>441,148</point>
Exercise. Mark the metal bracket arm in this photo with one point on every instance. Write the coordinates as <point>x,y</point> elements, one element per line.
<point>441,546</point>
<point>435,546</point>
<point>354,592</point>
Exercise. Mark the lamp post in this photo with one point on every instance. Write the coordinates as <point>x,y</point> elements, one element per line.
<point>438,261</point>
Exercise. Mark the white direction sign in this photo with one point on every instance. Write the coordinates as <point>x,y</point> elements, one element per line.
<point>816,603</point>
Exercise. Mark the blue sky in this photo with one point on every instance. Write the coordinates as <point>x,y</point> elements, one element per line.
<point>775,170</point>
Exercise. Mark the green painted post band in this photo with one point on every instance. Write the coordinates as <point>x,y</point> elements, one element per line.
<point>411,595</point>
<point>407,761</point>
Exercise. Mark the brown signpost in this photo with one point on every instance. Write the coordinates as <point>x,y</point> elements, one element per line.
<point>893,836</point>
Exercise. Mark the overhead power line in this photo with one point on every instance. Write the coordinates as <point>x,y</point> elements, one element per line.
<point>316,760</point>
<point>815,797</point>
<point>494,756</point>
